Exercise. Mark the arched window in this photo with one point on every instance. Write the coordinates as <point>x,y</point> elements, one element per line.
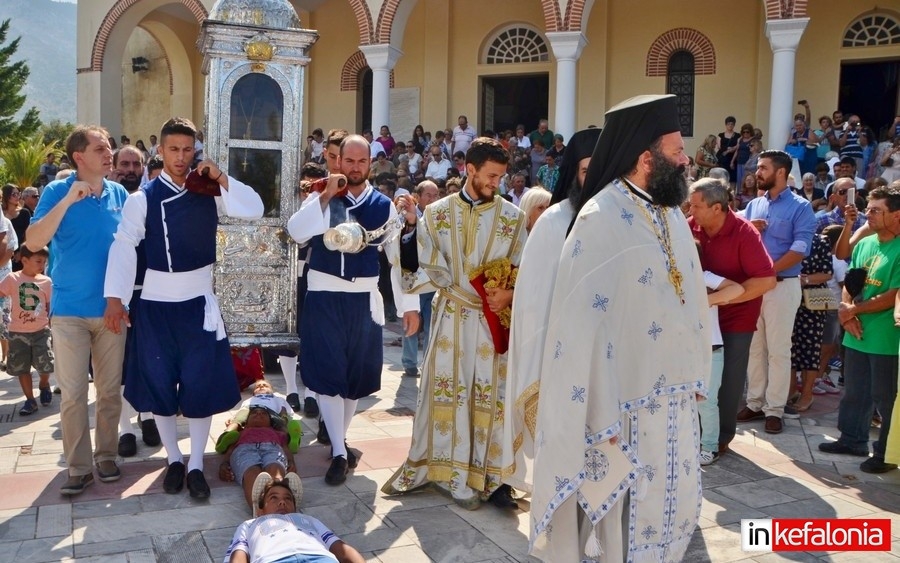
<point>680,81</point>
<point>517,45</point>
<point>871,30</point>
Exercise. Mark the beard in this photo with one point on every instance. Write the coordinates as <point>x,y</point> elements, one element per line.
<point>765,183</point>
<point>485,191</point>
<point>668,185</point>
<point>131,182</point>
<point>354,179</point>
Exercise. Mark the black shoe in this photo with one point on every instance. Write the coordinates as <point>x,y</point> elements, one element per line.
<point>127,445</point>
<point>352,459</point>
<point>196,483</point>
<point>839,448</point>
<point>310,407</point>
<point>46,396</point>
<point>149,432</point>
<point>876,465</point>
<point>76,485</point>
<point>322,434</point>
<point>411,372</point>
<point>502,498</point>
<point>294,400</point>
<point>337,473</point>
<point>173,482</point>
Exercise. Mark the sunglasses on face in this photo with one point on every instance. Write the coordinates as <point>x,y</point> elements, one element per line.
<point>842,192</point>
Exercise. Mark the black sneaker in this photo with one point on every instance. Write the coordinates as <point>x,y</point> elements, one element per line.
<point>876,464</point>
<point>197,486</point>
<point>310,407</point>
<point>337,472</point>
<point>411,372</point>
<point>322,434</point>
<point>839,448</point>
<point>149,432</point>
<point>502,498</point>
<point>30,407</point>
<point>352,459</point>
<point>293,399</point>
<point>127,445</point>
<point>173,482</point>
<point>46,396</point>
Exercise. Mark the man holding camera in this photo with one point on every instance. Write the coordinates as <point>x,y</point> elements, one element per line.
<point>849,143</point>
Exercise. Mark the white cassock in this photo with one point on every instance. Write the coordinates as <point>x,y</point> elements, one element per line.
<point>626,356</point>
<point>530,313</point>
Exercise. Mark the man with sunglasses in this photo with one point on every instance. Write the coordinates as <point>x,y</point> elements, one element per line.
<point>837,201</point>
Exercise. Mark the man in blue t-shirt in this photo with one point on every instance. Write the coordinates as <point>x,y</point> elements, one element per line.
<point>79,216</point>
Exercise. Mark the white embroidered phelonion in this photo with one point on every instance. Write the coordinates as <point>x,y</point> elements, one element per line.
<point>592,548</point>
<point>641,485</point>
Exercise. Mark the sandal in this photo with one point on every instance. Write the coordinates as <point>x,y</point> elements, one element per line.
<point>803,408</point>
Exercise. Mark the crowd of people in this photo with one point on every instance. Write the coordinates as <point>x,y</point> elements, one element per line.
<point>522,265</point>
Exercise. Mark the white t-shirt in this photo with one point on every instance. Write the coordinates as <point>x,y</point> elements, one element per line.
<point>274,536</point>
<point>375,148</point>
<point>713,282</point>
<point>840,271</point>
<point>463,138</point>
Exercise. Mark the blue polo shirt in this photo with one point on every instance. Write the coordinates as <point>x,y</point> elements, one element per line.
<point>80,247</point>
<point>791,224</point>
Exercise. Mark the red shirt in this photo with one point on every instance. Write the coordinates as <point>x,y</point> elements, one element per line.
<point>736,253</point>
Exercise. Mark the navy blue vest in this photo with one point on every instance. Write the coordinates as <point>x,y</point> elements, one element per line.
<point>372,214</point>
<point>181,228</point>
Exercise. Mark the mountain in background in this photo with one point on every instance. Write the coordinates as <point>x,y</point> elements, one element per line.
<point>47,30</point>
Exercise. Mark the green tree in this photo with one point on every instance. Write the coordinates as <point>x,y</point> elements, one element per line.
<point>12,81</point>
<point>57,131</point>
<point>22,161</point>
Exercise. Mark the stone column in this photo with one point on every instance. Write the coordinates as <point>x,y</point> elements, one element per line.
<point>784,37</point>
<point>89,91</point>
<point>567,47</point>
<point>381,59</point>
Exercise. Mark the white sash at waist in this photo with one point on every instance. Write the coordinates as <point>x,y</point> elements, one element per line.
<point>174,287</point>
<point>320,281</point>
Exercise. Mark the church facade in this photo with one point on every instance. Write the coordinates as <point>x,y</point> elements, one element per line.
<point>501,62</point>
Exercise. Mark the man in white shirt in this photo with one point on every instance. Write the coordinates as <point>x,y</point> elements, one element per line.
<point>374,146</point>
<point>522,141</point>
<point>517,188</point>
<point>463,135</point>
<point>438,167</point>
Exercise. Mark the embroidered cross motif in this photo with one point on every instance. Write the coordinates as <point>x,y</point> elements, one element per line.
<point>609,350</point>
<point>557,352</point>
<point>654,331</point>
<point>650,472</point>
<point>648,532</point>
<point>660,381</point>
<point>647,278</point>
<point>684,525</point>
<point>601,302</point>
<point>596,465</point>
<point>561,482</point>
<point>653,405</point>
<point>576,249</point>
<point>687,466</point>
<point>578,394</point>
<point>628,217</point>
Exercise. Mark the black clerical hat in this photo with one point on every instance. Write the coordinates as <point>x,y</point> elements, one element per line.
<point>581,145</point>
<point>630,129</point>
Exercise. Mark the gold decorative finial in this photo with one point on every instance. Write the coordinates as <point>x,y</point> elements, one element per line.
<point>259,48</point>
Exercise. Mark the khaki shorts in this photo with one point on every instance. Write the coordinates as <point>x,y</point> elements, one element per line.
<point>29,349</point>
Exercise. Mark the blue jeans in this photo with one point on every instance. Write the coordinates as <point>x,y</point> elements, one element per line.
<point>709,409</point>
<point>410,357</point>
<point>870,380</point>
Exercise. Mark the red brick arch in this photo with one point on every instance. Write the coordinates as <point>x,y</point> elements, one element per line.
<point>552,18</point>
<point>363,22</point>
<point>785,9</point>
<point>681,39</point>
<point>386,20</point>
<point>112,18</point>
<point>574,15</point>
<point>352,70</point>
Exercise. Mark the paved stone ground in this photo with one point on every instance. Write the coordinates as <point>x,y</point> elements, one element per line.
<point>134,520</point>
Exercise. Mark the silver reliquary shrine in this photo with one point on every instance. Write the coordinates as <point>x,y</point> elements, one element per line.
<point>254,56</point>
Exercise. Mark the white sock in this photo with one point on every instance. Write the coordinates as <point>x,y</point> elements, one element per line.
<point>125,424</point>
<point>332,410</point>
<point>199,430</point>
<point>309,393</point>
<point>168,434</point>
<point>349,411</point>
<point>289,370</point>
<point>146,416</point>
